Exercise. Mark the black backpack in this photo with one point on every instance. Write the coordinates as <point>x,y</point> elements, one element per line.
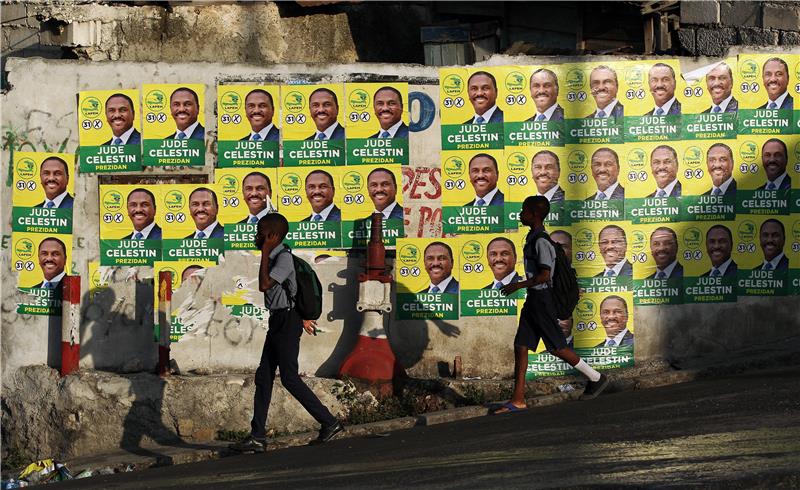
<point>564,282</point>
<point>308,300</point>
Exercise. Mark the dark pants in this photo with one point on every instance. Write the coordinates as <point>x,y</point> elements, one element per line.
<point>281,348</point>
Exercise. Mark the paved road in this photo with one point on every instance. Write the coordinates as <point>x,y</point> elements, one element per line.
<point>735,432</point>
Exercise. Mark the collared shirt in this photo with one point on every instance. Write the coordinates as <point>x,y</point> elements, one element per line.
<point>392,130</point>
<point>124,136</point>
<point>607,109</point>
<point>56,279</point>
<point>724,187</point>
<point>487,198</point>
<point>550,192</point>
<point>207,231</point>
<point>328,131</point>
<point>668,189</point>
<point>507,280</point>
<point>774,262</point>
<point>387,210</point>
<point>779,100</point>
<point>57,200</point>
<point>324,213</point>
<point>281,269</point>
<point>617,338</point>
<point>188,131</point>
<point>263,133</point>
<point>538,255</point>
<point>548,113</point>
<point>722,105</point>
<point>486,115</point>
<point>722,267</point>
<point>617,267</point>
<point>442,285</point>
<point>609,190</point>
<point>145,231</point>
<point>668,269</point>
<point>778,181</point>
<point>666,107</point>
<point>261,213</point>
<point>569,339</point>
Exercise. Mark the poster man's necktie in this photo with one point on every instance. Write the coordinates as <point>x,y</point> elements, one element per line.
<point>601,114</point>
<point>317,217</point>
<point>435,289</point>
<point>498,285</point>
<point>772,105</point>
<point>50,204</point>
<point>540,117</point>
<point>716,109</point>
<point>117,141</point>
<point>659,111</point>
<point>321,136</point>
<point>256,137</point>
<point>181,135</point>
<point>385,134</point>
<point>716,192</point>
<point>660,275</point>
<point>253,220</point>
<point>138,235</point>
<point>200,234</point>
<point>661,193</point>
<point>480,202</point>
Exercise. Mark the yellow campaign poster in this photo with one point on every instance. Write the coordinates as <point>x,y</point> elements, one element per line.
<point>365,190</point>
<point>593,109</point>
<point>653,182</point>
<point>533,105</point>
<point>471,118</point>
<point>428,279</point>
<point>604,329</point>
<point>311,202</point>
<point>109,130</point>
<point>43,192</point>
<point>765,83</point>
<point>706,173</point>
<point>249,127</point>
<point>313,125</point>
<point>181,272</point>
<point>174,124</point>
<point>131,221</point>
<point>710,270</point>
<point>652,91</point>
<point>602,256</point>
<point>657,251</point>
<point>762,254</point>
<point>473,192</point>
<point>792,247</point>
<point>710,108</point>
<point>488,263</point>
<point>377,123</point>
<point>97,278</point>
<point>597,174</point>
<point>532,171</point>
<point>246,195</point>
<point>192,227</point>
<point>41,260</point>
<point>762,173</point>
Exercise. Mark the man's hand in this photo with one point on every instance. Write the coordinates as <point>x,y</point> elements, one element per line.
<point>510,288</point>
<point>310,326</point>
<point>271,241</point>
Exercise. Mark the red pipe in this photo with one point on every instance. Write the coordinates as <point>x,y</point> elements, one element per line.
<point>70,324</point>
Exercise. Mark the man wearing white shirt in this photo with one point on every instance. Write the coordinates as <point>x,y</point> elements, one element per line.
<point>501,256</point>
<point>605,172</point>
<point>719,161</point>
<point>185,107</point>
<point>614,317</point>
<point>546,170</point>
<point>323,106</point>
<point>382,190</point>
<point>775,75</point>
<point>52,259</point>
<point>774,157</point>
<point>54,177</point>
<point>544,93</point>
<point>719,244</point>
<point>613,245</point>
<point>204,207</point>
<point>319,192</point>
<point>483,175</point>
<point>482,91</point>
<point>438,260</point>
<point>604,85</point>
<point>259,109</point>
<point>120,114</point>
<point>661,80</point>
<point>141,204</point>
<point>772,236</point>
<point>719,82</point>
<point>664,249</point>
<point>664,167</point>
<point>257,193</point>
<point>388,107</point>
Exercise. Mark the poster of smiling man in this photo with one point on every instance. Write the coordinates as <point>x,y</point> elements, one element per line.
<point>248,126</point>
<point>174,119</point>
<point>377,123</point>
<point>44,192</point>
<point>313,125</point>
<point>109,130</point>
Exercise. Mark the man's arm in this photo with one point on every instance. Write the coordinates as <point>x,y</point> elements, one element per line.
<point>540,278</point>
<point>265,282</point>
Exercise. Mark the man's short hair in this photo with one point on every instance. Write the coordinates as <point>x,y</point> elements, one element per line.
<point>275,223</point>
<point>664,228</point>
<point>723,228</point>
<point>142,189</point>
<point>193,267</point>
<point>605,67</point>
<point>550,153</point>
<point>614,227</point>
<point>66,167</point>
<point>618,298</point>
<point>327,91</point>
<point>562,232</point>
<point>258,174</point>
<point>773,220</point>
<point>721,145</point>
<point>486,73</point>
<point>779,60</point>
<point>320,172</point>
<point>54,239</point>
<point>130,102</point>
<point>442,244</point>
<point>727,67</point>
<point>486,155</point>
<point>538,204</point>
<point>609,150</point>
<point>664,65</point>
<point>186,89</point>
<point>549,72</point>
<point>390,89</point>
<point>503,239</point>
<point>213,194</point>
<point>665,147</point>
<point>776,140</point>
<point>260,91</point>
<point>381,169</point>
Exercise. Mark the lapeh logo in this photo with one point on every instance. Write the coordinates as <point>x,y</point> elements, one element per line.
<point>636,159</point>
<point>453,85</point>
<point>796,231</point>
<point>577,160</point>
<point>155,100</point>
<point>231,102</point>
<point>575,79</point>
<point>748,70</point>
<point>24,249</point>
<point>693,156</point>
<point>515,82</point>
<point>91,107</point>
<point>352,181</point>
<point>409,254</point>
<point>516,163</point>
<point>584,239</point>
<point>290,183</point>
<point>97,280</point>
<point>358,99</point>
<point>472,251</point>
<point>26,168</point>
<point>692,238</point>
<point>112,201</point>
<point>748,151</point>
<point>638,241</point>
<point>294,101</point>
<point>454,167</point>
<point>585,309</point>
<point>230,184</point>
<point>175,200</point>
<point>746,231</point>
<point>634,77</point>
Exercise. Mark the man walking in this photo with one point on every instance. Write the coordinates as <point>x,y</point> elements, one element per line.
<point>538,319</point>
<point>277,280</point>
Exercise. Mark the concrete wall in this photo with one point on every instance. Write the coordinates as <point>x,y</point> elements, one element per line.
<point>116,327</point>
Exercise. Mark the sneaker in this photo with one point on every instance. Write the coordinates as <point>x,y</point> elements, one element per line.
<point>326,433</point>
<point>594,388</point>
<point>249,445</point>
